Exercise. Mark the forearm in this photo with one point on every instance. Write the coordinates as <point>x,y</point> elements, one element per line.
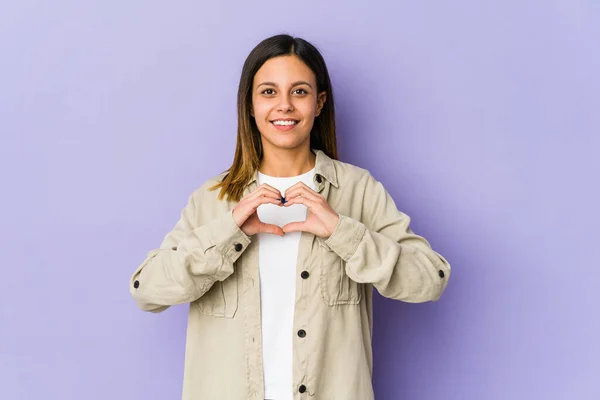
<point>188,263</point>
<point>404,267</point>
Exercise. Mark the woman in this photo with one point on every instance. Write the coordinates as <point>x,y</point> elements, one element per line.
<point>280,262</point>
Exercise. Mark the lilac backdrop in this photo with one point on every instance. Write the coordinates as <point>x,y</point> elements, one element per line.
<point>481,118</point>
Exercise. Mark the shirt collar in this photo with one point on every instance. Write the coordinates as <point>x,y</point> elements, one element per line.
<point>323,168</point>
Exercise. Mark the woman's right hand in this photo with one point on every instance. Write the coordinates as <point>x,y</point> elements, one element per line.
<point>246,217</point>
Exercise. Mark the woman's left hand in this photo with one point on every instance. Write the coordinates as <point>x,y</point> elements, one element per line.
<point>322,219</point>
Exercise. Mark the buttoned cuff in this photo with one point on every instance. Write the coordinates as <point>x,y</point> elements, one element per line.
<point>345,237</point>
<point>229,239</point>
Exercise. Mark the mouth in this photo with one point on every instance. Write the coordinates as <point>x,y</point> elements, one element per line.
<point>284,124</point>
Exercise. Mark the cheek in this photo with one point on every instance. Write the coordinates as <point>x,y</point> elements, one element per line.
<point>261,110</point>
<point>309,110</point>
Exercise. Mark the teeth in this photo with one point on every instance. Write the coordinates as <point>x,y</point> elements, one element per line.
<point>284,122</point>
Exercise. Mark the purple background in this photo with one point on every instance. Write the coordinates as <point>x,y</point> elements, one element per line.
<point>481,118</point>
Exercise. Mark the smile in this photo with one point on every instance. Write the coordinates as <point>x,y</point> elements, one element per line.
<point>284,122</point>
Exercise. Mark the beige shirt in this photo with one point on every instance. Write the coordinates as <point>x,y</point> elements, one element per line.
<point>209,262</point>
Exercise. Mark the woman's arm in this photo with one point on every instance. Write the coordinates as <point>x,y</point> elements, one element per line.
<point>188,262</point>
<point>400,264</point>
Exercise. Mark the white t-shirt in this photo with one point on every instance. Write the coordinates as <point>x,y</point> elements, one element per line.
<point>277,259</point>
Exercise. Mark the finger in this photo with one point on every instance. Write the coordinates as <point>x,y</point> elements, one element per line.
<point>300,187</point>
<point>302,200</point>
<point>266,191</point>
<point>262,189</point>
<point>270,228</point>
<point>293,227</point>
<point>256,202</point>
<point>252,204</point>
<point>262,194</point>
<point>295,185</point>
<point>294,188</point>
<point>271,188</point>
<point>304,192</point>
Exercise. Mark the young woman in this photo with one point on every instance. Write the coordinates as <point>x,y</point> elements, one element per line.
<point>279,254</point>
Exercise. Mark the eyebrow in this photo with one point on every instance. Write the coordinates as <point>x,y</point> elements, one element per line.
<point>293,84</point>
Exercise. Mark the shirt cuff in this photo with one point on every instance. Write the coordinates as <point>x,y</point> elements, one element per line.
<point>346,237</point>
<point>230,240</point>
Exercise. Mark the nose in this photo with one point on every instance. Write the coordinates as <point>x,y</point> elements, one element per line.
<point>285,103</point>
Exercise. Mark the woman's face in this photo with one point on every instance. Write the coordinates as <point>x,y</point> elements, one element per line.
<point>285,102</point>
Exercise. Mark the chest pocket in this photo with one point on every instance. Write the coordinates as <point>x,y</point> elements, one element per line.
<point>336,287</point>
<point>221,300</point>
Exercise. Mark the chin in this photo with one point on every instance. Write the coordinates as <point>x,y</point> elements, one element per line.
<point>282,142</point>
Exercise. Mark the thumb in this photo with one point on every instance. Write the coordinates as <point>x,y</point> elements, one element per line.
<point>270,228</point>
<point>293,227</point>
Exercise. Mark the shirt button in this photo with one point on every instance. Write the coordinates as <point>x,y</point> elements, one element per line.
<point>302,389</point>
<point>441,274</point>
<point>302,333</point>
<point>238,247</point>
<point>136,284</point>
<point>319,178</point>
<point>304,274</point>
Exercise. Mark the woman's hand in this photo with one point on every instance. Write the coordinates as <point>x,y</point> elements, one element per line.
<point>245,216</point>
<point>322,219</point>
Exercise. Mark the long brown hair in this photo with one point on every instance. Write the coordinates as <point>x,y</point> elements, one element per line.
<point>248,150</point>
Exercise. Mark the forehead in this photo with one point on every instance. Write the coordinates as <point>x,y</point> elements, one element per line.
<point>284,70</point>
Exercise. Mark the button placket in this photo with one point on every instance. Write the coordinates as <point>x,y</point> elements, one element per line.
<point>323,188</point>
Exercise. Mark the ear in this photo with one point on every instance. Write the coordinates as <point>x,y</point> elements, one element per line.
<point>321,98</point>
<point>251,111</point>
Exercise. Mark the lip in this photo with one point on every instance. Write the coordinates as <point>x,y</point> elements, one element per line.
<point>284,128</point>
<point>283,119</point>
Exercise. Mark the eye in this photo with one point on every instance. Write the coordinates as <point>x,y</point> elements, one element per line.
<point>268,92</point>
<point>300,91</point>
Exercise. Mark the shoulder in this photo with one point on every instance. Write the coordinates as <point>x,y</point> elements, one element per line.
<point>203,192</point>
<point>359,183</point>
<point>348,173</point>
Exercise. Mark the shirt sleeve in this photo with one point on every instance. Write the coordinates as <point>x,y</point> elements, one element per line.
<point>190,259</point>
<point>399,263</point>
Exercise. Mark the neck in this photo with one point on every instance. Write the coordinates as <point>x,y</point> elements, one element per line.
<point>283,163</point>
